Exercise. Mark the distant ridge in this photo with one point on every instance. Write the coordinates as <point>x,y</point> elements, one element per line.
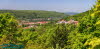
<point>30,15</point>
<point>71,13</point>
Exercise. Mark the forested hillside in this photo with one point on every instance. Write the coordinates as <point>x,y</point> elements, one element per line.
<point>30,15</point>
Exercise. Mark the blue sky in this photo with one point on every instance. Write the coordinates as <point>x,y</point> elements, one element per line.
<point>49,5</point>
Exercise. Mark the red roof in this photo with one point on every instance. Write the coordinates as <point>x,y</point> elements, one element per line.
<point>42,22</point>
<point>30,23</point>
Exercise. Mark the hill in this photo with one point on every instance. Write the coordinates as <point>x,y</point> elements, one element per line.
<point>35,15</point>
<point>79,16</point>
<point>71,13</point>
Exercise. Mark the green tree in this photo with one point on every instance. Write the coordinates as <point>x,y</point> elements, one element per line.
<point>8,28</point>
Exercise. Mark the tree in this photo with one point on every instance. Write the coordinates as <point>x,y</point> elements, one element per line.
<point>8,28</point>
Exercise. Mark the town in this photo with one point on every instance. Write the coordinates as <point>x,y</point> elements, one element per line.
<point>34,24</point>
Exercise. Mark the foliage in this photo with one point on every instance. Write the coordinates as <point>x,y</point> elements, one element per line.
<point>87,33</point>
<point>8,28</point>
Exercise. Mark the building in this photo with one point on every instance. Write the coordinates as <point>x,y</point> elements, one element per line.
<point>62,21</point>
<point>33,24</point>
<point>72,22</point>
<point>68,22</point>
<point>29,23</point>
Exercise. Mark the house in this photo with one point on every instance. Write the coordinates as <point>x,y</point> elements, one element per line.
<point>31,26</point>
<point>68,22</point>
<point>49,18</point>
<point>62,21</point>
<point>72,22</point>
<point>75,22</point>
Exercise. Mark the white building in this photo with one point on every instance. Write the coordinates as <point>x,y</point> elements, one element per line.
<point>62,21</point>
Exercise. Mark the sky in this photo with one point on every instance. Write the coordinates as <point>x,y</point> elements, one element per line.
<point>48,5</point>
